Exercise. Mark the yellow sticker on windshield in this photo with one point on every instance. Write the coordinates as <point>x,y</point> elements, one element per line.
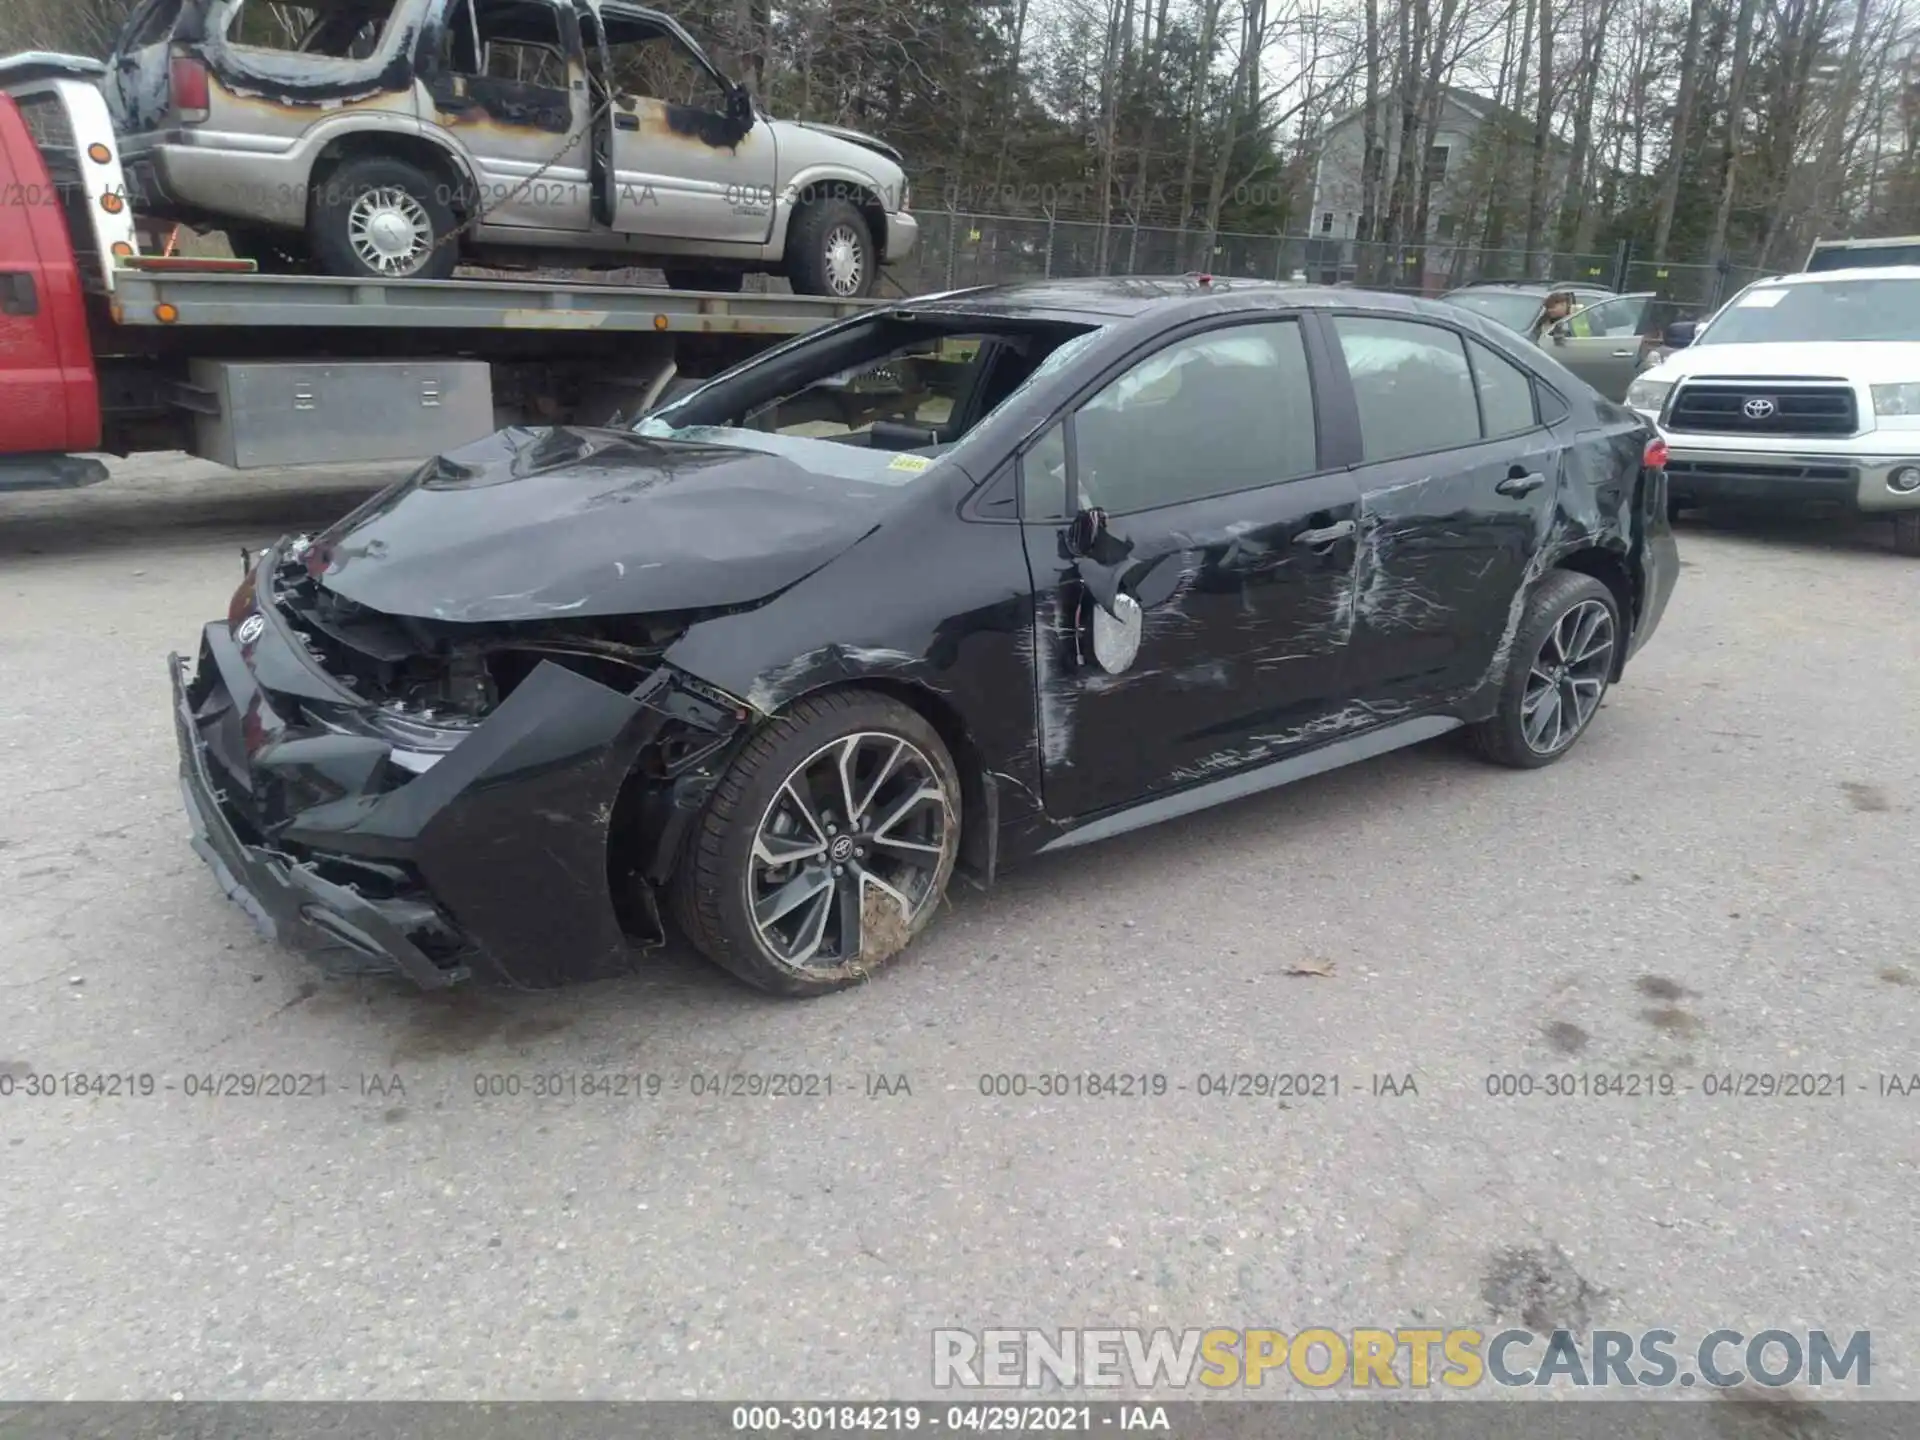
<point>912,464</point>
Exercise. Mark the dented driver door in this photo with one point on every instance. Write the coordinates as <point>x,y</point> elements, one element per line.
<point>692,158</point>
<point>1204,630</point>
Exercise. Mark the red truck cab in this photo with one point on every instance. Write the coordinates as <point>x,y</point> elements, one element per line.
<point>58,172</point>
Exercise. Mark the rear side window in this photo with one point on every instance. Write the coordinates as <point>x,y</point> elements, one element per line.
<point>151,24</point>
<point>1506,392</point>
<point>1412,383</point>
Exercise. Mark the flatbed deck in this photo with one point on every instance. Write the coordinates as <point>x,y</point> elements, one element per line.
<point>323,302</point>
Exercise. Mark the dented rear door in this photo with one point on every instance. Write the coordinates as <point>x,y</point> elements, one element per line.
<point>1457,479</point>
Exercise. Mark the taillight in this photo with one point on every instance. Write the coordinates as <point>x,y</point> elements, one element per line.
<point>187,88</point>
<point>1656,456</point>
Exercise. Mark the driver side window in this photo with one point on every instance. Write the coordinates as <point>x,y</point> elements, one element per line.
<point>1227,410</point>
<point>645,62</point>
<point>1614,319</point>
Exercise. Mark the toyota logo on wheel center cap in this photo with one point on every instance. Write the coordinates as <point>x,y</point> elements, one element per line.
<point>1759,408</point>
<point>841,849</point>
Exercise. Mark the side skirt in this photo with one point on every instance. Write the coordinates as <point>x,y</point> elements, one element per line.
<point>1336,756</point>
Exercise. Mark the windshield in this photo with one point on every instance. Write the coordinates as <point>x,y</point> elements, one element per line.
<point>1504,307</point>
<point>1824,310</point>
<point>880,402</point>
<point>1855,257</point>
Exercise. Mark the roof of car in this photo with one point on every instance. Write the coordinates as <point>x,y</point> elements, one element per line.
<point>1104,301</point>
<point>1533,287</point>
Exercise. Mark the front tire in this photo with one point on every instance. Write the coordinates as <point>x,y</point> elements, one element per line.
<point>381,218</point>
<point>827,847</point>
<point>1563,659</point>
<point>830,251</point>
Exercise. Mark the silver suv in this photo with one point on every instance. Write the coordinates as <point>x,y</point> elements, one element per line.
<point>392,138</point>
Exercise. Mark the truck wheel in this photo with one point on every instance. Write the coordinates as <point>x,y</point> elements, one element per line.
<point>1906,533</point>
<point>726,282</point>
<point>830,251</point>
<point>825,849</point>
<point>385,219</point>
<point>1562,662</point>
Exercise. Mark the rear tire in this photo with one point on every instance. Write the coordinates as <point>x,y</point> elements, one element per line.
<point>725,282</point>
<point>1562,663</point>
<point>830,251</point>
<point>764,889</point>
<point>381,218</point>
<point>1906,533</point>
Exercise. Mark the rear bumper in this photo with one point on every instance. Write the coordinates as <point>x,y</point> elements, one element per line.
<point>286,897</point>
<point>208,182</point>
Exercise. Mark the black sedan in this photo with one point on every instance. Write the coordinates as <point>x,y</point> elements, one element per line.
<point>937,588</point>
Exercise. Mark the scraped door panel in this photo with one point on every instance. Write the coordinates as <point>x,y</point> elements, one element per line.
<point>1237,550</point>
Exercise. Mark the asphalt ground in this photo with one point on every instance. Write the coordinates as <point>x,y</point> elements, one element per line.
<point>1719,882</point>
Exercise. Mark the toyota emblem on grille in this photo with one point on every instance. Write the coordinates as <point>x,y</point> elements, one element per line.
<point>1759,408</point>
<point>251,628</point>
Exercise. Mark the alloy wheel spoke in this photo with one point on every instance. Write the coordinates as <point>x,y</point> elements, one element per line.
<point>804,804</point>
<point>867,877</point>
<point>847,899</point>
<point>776,850</point>
<point>806,943</point>
<point>791,896</point>
<point>886,774</point>
<point>919,797</point>
<point>1545,714</point>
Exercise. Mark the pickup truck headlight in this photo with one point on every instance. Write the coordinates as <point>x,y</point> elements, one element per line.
<point>1896,399</point>
<point>1645,394</point>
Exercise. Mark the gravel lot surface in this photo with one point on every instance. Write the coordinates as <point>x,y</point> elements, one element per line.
<point>1720,880</point>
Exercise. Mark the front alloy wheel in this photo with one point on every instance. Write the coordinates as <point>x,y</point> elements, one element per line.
<point>848,852</point>
<point>826,847</point>
<point>1565,652</point>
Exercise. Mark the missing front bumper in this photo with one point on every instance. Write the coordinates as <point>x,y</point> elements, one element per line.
<point>286,897</point>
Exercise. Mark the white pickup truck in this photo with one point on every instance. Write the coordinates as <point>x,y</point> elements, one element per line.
<point>1803,390</point>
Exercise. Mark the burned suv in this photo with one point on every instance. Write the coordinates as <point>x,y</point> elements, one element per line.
<point>391,138</point>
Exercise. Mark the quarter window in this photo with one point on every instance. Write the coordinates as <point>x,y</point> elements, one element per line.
<point>1210,415</point>
<point>1043,477</point>
<point>1506,392</point>
<point>1412,384</point>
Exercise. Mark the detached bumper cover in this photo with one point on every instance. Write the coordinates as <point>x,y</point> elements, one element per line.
<point>495,858</point>
<point>288,899</point>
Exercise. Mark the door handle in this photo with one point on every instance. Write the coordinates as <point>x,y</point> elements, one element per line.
<point>1325,536</point>
<point>18,294</point>
<point>1520,482</point>
<point>626,122</point>
<point>1625,354</point>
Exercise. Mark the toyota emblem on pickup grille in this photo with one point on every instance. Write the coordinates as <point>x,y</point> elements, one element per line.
<point>1759,408</point>
<point>251,628</point>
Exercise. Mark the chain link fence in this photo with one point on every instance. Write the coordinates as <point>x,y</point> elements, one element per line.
<point>962,248</point>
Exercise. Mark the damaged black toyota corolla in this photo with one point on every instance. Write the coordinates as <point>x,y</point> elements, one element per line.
<point>934,589</point>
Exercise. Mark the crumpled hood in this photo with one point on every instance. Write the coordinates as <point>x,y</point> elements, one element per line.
<point>543,524</point>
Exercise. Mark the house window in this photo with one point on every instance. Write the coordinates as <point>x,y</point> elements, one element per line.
<point>1445,226</point>
<point>1437,157</point>
<point>1326,222</point>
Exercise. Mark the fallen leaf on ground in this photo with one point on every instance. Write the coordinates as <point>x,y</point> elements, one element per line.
<point>1311,966</point>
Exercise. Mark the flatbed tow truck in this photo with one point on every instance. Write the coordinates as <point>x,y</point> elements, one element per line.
<point>105,350</point>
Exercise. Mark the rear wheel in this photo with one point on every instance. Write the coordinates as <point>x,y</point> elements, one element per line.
<point>1562,662</point>
<point>385,219</point>
<point>1906,532</point>
<point>826,848</point>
